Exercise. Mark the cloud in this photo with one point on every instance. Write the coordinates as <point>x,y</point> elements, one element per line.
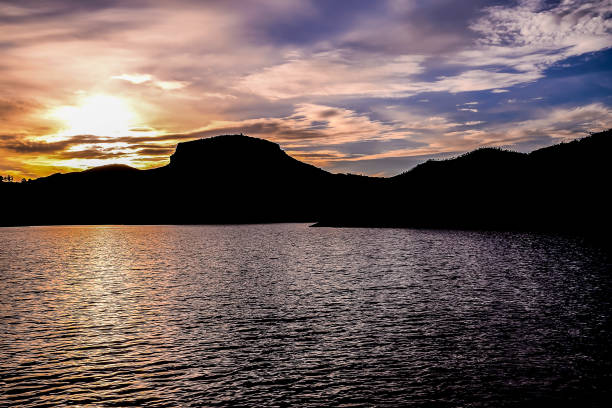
<point>565,123</point>
<point>148,78</point>
<point>307,125</point>
<point>134,78</point>
<point>574,26</point>
<point>323,79</point>
<point>482,80</point>
<point>156,151</point>
<point>549,125</point>
<point>171,85</point>
<point>340,72</point>
<point>515,46</point>
<point>21,145</point>
<point>91,153</point>
<point>533,36</point>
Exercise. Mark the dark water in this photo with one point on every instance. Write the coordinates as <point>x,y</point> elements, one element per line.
<point>285,315</point>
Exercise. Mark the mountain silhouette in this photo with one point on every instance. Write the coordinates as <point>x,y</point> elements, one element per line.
<point>223,179</point>
<point>240,179</point>
<point>558,188</point>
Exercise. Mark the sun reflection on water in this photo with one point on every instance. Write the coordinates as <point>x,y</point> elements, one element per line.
<point>203,315</point>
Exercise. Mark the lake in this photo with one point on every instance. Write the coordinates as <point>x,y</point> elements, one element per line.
<point>287,315</point>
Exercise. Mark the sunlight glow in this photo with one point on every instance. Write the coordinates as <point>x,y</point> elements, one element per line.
<point>101,115</point>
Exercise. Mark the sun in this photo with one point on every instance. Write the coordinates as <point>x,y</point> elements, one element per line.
<point>100,115</point>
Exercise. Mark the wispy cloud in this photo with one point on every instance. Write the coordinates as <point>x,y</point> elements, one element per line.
<point>406,79</point>
<point>337,73</point>
<point>147,78</point>
<point>134,78</point>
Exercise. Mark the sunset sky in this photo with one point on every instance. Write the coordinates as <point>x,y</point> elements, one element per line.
<point>361,86</point>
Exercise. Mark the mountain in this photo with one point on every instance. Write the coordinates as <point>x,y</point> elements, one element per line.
<point>558,188</point>
<point>223,179</point>
<point>240,179</point>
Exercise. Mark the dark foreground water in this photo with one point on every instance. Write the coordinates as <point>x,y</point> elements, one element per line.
<point>286,315</point>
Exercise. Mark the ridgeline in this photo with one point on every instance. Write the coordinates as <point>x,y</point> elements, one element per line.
<point>240,179</point>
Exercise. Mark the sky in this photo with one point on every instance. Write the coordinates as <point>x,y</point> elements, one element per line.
<point>359,86</point>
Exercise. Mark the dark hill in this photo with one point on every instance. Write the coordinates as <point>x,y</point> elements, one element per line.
<point>223,179</point>
<point>558,188</point>
<point>239,179</point>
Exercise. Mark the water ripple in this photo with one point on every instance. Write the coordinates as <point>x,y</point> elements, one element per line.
<point>284,315</point>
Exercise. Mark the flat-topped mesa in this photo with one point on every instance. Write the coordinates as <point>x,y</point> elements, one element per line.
<point>242,158</point>
<point>236,151</point>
